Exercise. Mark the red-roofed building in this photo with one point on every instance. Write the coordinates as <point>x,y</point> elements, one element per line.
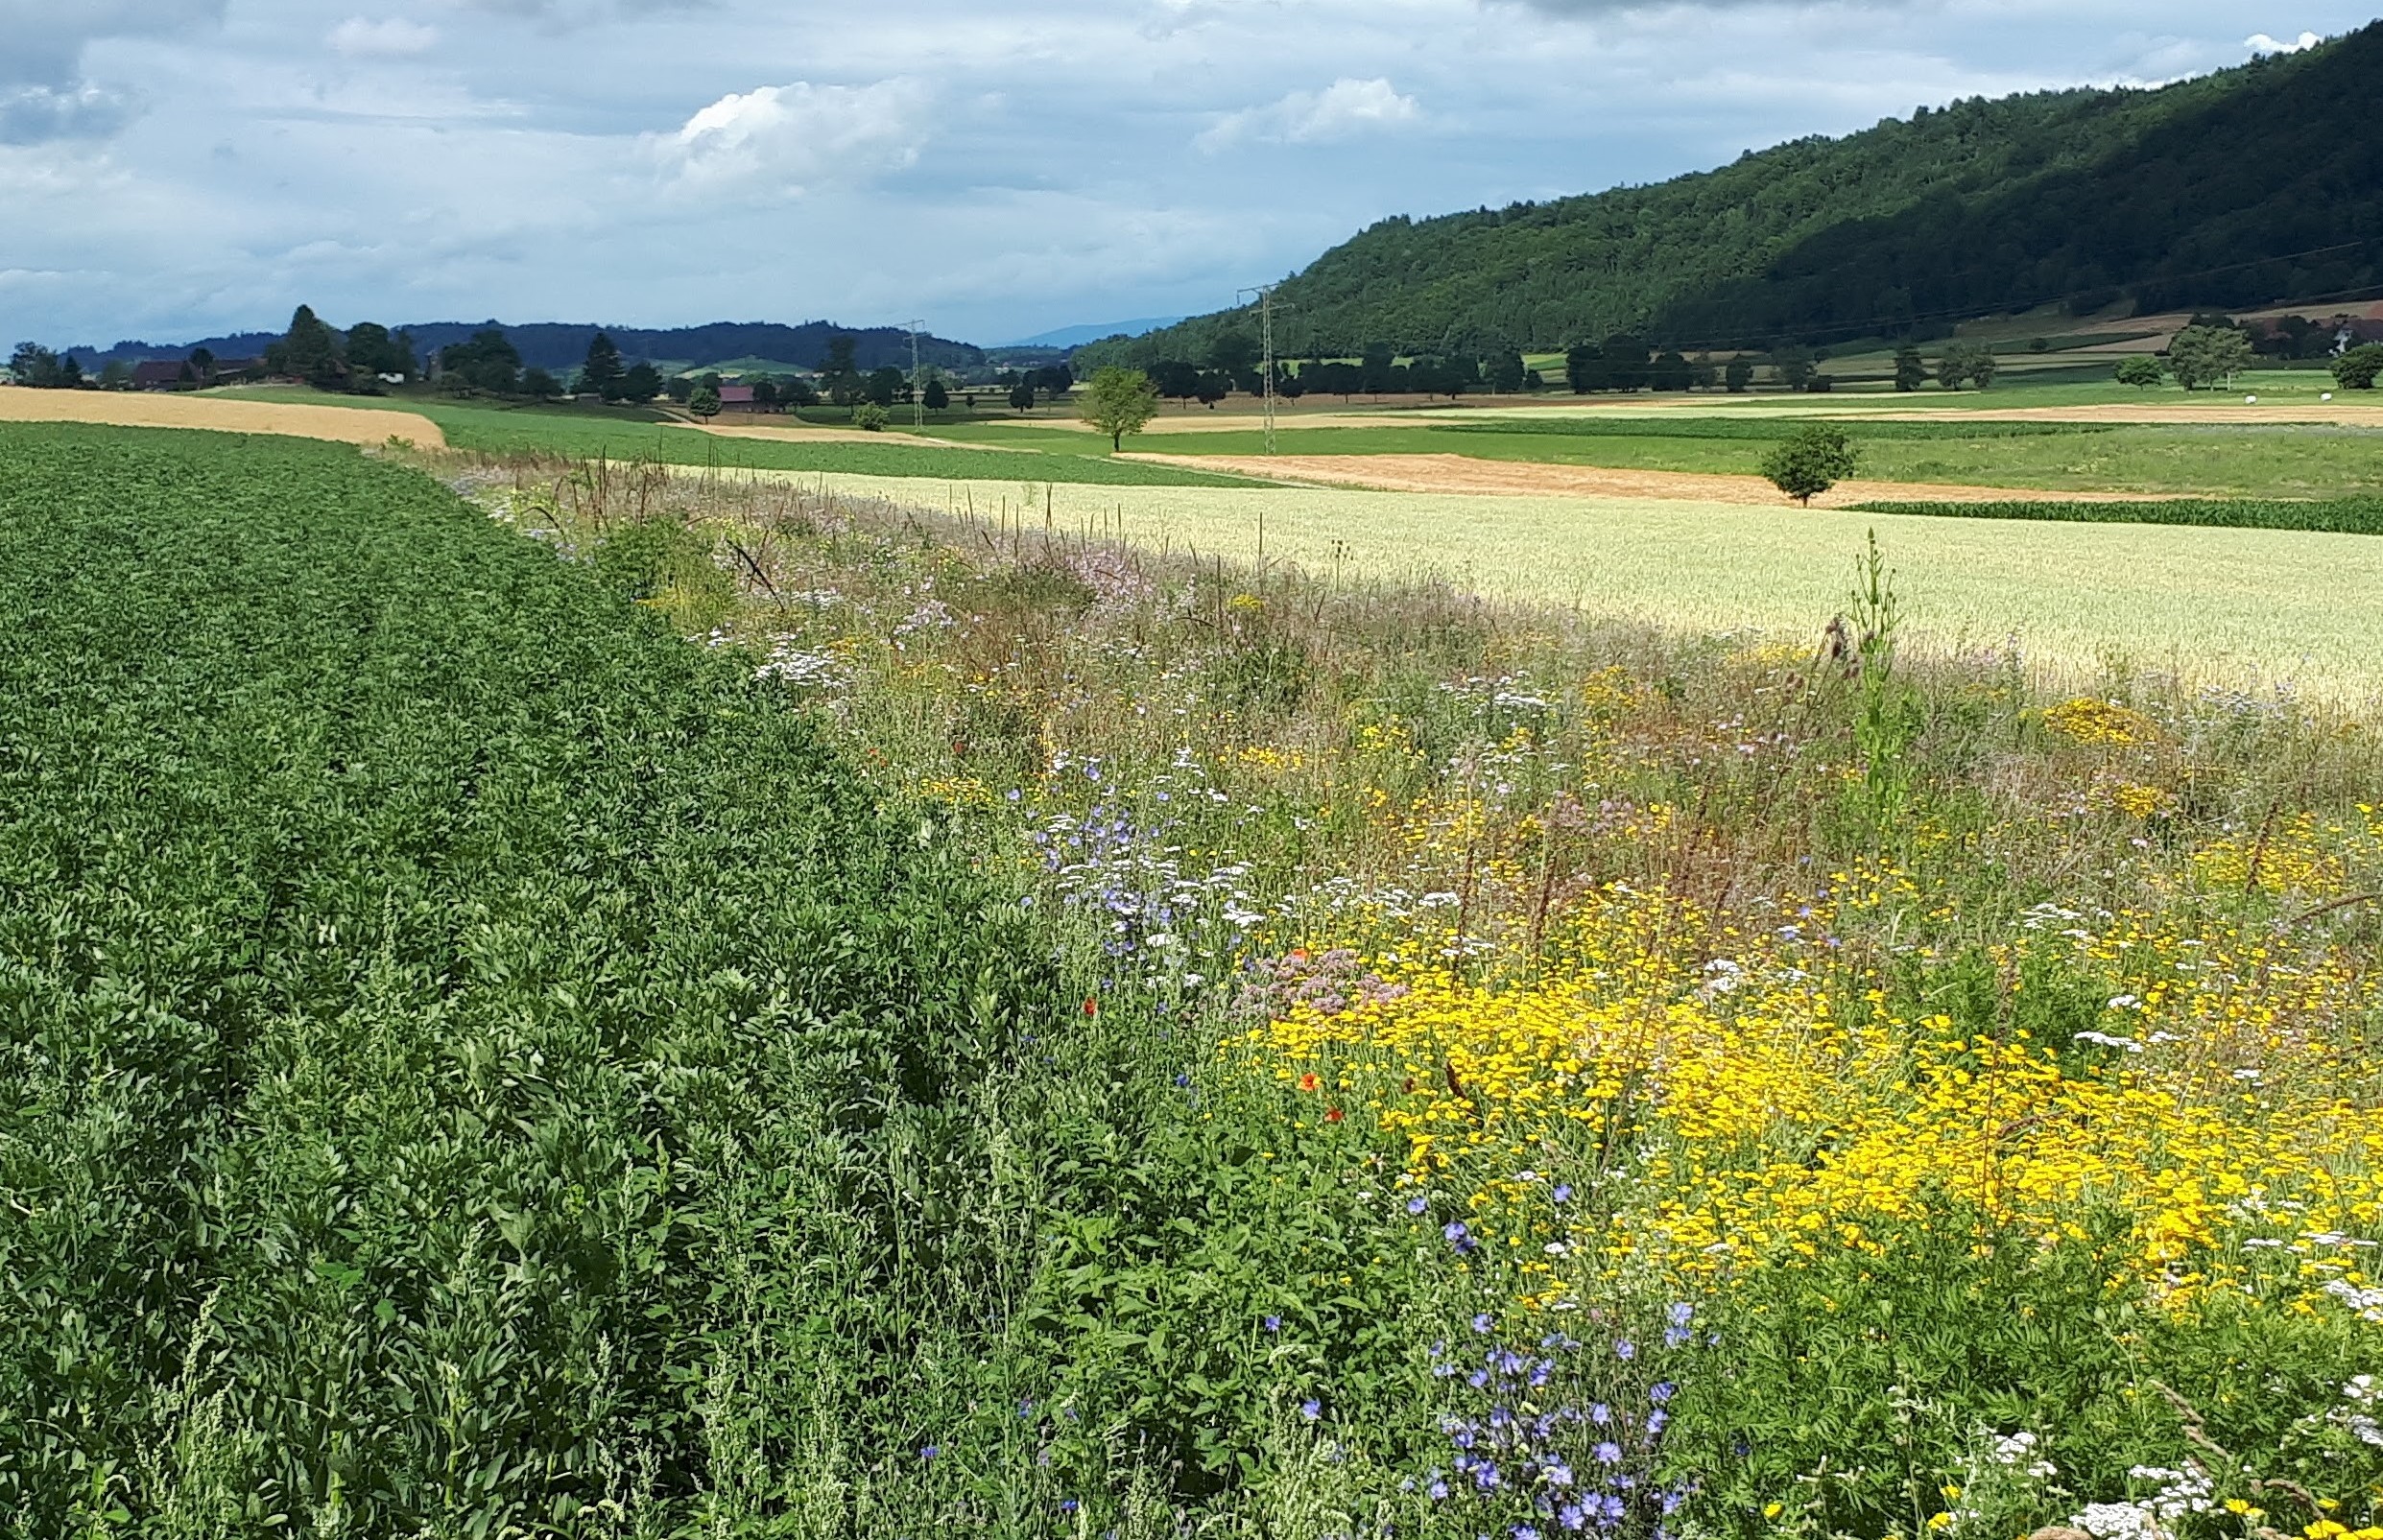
<point>738,398</point>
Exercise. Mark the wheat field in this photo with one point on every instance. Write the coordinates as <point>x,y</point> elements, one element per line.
<point>2228,608</point>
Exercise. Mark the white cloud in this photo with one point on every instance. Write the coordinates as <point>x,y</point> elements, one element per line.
<point>394,39</point>
<point>792,139</point>
<point>1341,110</point>
<point>2259,42</point>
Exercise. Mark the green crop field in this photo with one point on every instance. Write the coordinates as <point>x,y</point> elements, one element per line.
<point>585,432</point>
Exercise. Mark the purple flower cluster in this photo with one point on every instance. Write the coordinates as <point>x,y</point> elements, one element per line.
<point>1562,1438</point>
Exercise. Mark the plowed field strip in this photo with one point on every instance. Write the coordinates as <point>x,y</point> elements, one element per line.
<point>125,409</point>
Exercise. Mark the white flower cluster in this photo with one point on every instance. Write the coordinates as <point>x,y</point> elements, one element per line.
<point>2023,1453</point>
<point>2148,1518</point>
<point>790,663</point>
<point>2357,1410</point>
<point>2368,1302</point>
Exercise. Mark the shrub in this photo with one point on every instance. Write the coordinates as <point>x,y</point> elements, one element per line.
<point>2356,369</point>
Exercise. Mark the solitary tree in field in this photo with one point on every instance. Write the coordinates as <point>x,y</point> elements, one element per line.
<point>1817,458</point>
<point>2142,370</point>
<point>2207,355</point>
<point>1911,371</point>
<point>1118,402</point>
<point>1737,374</point>
<point>705,401</point>
<point>1022,396</point>
<point>936,396</point>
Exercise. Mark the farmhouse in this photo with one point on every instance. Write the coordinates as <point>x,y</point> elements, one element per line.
<point>738,398</point>
<point>164,374</point>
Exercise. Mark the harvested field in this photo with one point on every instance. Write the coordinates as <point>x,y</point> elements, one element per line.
<point>349,425</point>
<point>1466,474</point>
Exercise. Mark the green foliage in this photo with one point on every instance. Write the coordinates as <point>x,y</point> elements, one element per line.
<point>2341,515</point>
<point>38,367</point>
<point>1965,363</point>
<point>2357,366</point>
<point>488,362</point>
<point>705,401</point>
<point>2200,356</point>
<point>1910,371</point>
<point>666,564</point>
<point>1816,458</point>
<point>2243,187</point>
<point>1118,402</point>
<point>870,418</point>
<point>602,373</point>
<point>2142,371</point>
<point>477,1065</point>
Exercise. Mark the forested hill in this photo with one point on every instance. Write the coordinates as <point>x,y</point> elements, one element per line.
<point>563,344</point>
<point>2260,183</point>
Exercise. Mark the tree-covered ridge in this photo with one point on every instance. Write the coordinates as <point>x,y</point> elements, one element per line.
<point>2080,193</point>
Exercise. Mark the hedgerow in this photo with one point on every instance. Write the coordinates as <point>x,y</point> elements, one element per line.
<point>2338,515</point>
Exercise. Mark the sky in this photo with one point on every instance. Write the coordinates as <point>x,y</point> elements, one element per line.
<point>993,167</point>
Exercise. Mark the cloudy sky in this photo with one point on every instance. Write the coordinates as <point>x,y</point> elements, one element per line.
<point>997,167</point>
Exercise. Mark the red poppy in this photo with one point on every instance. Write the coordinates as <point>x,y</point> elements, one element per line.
<point>1091,1006</point>
<point>1308,1081</point>
<point>1331,1114</point>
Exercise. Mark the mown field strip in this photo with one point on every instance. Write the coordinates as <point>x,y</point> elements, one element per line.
<point>287,420</point>
<point>2232,608</point>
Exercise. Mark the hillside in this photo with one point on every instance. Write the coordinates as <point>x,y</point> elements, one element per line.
<point>563,344</point>
<point>2258,183</point>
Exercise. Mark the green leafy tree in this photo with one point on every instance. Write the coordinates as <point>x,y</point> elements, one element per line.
<point>540,385</point>
<point>1235,352</point>
<point>1584,369</point>
<point>642,384</point>
<point>936,397</point>
<point>2357,369</point>
<point>1738,374</point>
<point>885,386</point>
<point>1911,371</point>
<point>705,401</point>
<point>602,373</point>
<point>1022,396</point>
<point>373,351</point>
<point>2141,371</point>
<point>1815,459</point>
<point>117,375</point>
<point>34,366</point>
<point>202,363</point>
<point>1793,366</point>
<point>870,418</point>
<point>1506,372</point>
<point>488,362</point>
<point>2207,354</point>
<point>1118,401</point>
<point>679,387</point>
<point>1965,363</point>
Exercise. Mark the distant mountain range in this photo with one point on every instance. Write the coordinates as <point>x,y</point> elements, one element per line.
<point>2253,186</point>
<point>556,345</point>
<point>1077,335</point>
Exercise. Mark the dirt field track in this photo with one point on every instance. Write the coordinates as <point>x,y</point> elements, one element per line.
<point>290,420</point>
<point>1463,473</point>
